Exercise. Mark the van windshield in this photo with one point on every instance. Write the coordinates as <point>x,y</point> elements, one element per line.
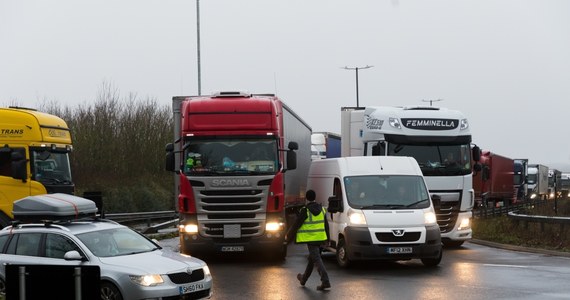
<point>386,192</point>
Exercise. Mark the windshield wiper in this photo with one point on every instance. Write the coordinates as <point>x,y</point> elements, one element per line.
<point>417,202</point>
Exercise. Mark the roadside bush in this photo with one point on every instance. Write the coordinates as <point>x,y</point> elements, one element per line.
<point>119,150</point>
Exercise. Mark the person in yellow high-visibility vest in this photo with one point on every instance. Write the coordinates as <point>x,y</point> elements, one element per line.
<point>311,228</point>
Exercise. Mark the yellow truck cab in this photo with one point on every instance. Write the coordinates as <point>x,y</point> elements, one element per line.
<point>34,157</point>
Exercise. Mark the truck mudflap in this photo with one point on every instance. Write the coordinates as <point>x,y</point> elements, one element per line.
<point>360,246</point>
<point>194,244</point>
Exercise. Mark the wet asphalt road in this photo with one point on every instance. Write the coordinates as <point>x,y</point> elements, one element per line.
<point>470,272</point>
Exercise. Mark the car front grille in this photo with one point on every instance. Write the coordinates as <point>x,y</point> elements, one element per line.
<point>183,277</point>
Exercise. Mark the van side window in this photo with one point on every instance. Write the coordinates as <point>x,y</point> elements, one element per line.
<point>337,191</point>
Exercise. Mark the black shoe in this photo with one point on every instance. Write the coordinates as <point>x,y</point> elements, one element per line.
<point>323,286</point>
<point>300,278</point>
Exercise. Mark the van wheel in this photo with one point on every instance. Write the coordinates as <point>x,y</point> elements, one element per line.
<point>432,262</point>
<point>342,255</point>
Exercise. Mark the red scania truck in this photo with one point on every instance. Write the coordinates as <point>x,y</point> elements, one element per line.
<point>241,162</point>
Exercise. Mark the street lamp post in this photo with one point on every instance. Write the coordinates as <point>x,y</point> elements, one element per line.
<point>356,69</point>
<point>198,47</point>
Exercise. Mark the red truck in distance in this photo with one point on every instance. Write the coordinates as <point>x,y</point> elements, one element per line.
<point>494,184</point>
<point>241,163</point>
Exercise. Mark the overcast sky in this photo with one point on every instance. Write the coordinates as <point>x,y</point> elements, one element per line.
<point>504,64</point>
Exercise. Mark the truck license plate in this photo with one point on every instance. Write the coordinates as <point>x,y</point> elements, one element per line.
<point>399,250</point>
<point>232,248</point>
<point>191,288</point>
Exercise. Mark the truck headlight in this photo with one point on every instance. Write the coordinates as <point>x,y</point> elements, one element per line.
<point>356,217</point>
<point>465,224</point>
<point>274,226</point>
<point>147,280</point>
<point>394,122</point>
<point>188,228</point>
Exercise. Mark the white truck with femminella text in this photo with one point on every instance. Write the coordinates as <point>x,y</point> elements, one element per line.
<point>440,141</point>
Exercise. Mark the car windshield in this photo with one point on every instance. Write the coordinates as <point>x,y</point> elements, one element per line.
<point>386,192</point>
<point>230,156</point>
<point>116,242</point>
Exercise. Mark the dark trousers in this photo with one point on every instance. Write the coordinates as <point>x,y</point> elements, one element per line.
<point>315,261</point>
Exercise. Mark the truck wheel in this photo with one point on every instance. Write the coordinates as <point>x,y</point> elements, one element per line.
<point>342,255</point>
<point>432,262</point>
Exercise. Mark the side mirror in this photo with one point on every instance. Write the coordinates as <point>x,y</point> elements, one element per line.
<point>19,166</point>
<point>293,146</point>
<point>170,159</point>
<point>436,200</point>
<point>476,153</point>
<point>72,255</point>
<point>335,205</point>
<point>291,160</point>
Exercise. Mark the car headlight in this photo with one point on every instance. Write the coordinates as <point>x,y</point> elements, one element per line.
<point>147,280</point>
<point>430,218</point>
<point>206,271</point>
<point>356,217</point>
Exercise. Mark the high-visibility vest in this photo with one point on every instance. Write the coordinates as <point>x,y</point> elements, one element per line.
<point>313,229</point>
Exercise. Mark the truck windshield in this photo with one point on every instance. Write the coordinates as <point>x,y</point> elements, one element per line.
<point>440,160</point>
<point>230,156</point>
<point>386,192</point>
<point>50,167</point>
<point>531,178</point>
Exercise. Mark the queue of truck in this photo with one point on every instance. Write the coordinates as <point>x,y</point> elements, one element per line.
<point>243,162</point>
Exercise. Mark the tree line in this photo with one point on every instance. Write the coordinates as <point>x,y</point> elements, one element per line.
<point>119,150</point>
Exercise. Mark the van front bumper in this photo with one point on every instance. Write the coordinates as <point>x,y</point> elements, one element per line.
<point>359,246</point>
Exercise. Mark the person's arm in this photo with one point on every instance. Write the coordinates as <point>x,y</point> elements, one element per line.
<point>301,216</point>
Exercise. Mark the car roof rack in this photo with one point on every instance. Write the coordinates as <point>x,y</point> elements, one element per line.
<point>53,207</point>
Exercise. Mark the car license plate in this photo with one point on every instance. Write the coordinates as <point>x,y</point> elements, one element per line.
<point>399,250</point>
<point>191,288</point>
<point>232,249</point>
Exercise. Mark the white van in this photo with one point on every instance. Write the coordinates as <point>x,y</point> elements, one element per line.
<point>378,207</point>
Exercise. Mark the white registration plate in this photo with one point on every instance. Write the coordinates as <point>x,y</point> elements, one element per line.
<point>399,250</point>
<point>191,288</point>
<point>232,249</point>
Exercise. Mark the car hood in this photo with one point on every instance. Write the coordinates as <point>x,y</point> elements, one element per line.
<point>155,262</point>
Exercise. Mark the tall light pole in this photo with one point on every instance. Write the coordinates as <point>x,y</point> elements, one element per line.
<point>198,47</point>
<point>356,69</point>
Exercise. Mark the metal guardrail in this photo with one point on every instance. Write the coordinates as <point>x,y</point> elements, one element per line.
<point>490,212</point>
<point>165,219</point>
<point>539,219</point>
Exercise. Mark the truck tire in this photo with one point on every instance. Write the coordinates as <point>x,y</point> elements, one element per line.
<point>432,262</point>
<point>342,255</point>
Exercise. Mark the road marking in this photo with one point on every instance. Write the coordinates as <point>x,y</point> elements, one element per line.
<point>506,266</point>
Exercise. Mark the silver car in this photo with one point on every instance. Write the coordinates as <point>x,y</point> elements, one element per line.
<point>131,265</point>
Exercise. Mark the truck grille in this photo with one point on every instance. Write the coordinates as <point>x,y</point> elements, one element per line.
<point>243,207</point>
<point>447,215</point>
